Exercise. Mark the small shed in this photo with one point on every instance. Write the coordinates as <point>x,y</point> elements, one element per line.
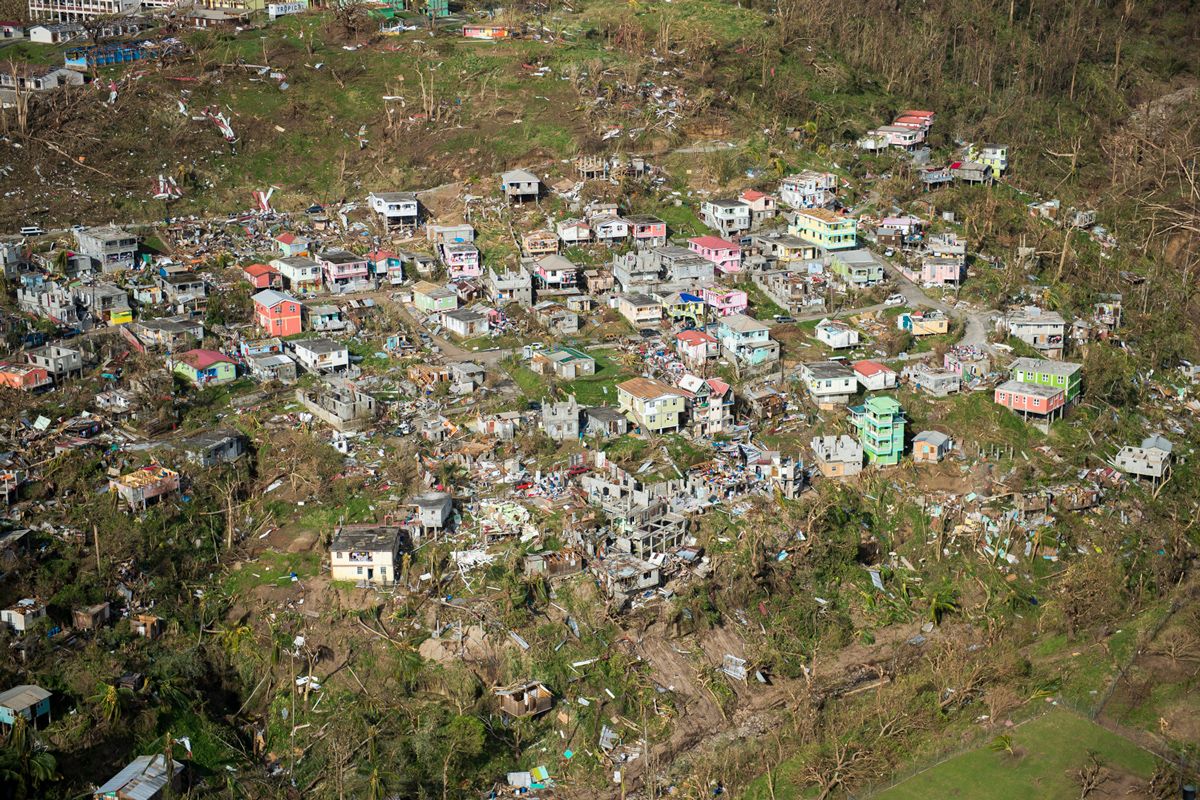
<point>525,699</point>
<point>930,447</point>
<point>91,617</point>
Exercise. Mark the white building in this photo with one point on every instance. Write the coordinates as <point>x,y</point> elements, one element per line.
<point>365,554</point>
<point>320,355</point>
<point>829,383</point>
<point>729,217</point>
<point>399,210</point>
<point>836,334</point>
<point>76,10</point>
<point>809,189</point>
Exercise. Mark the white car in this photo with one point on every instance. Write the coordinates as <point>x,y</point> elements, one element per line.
<point>889,253</point>
<point>895,300</point>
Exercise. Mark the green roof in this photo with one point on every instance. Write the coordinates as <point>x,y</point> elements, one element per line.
<point>878,404</point>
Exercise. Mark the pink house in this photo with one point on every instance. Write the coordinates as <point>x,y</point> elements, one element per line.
<point>726,302</point>
<point>647,231</point>
<point>933,271</point>
<point>462,261</point>
<point>696,347</point>
<point>1033,401</point>
<point>727,256</point>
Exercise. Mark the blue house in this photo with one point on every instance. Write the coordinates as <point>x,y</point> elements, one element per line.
<point>28,701</point>
<point>746,341</point>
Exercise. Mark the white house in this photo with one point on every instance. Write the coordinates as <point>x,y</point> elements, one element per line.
<point>729,217</point>
<point>320,355</point>
<point>399,210</point>
<point>836,334</point>
<point>873,376</point>
<point>829,383</point>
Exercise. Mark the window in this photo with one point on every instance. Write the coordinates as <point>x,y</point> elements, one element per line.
<point>358,570</point>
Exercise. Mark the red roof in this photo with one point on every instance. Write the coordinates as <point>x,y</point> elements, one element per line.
<point>713,243</point>
<point>203,359</point>
<point>753,194</point>
<point>869,368</point>
<point>916,113</point>
<point>695,337</point>
<point>717,385</point>
<point>380,255</point>
<point>286,238</point>
<point>258,270</point>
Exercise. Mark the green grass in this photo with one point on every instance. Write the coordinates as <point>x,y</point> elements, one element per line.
<point>1048,751</point>
<point>272,568</point>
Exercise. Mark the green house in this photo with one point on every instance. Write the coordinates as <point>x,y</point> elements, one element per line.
<point>1045,372</point>
<point>880,423</point>
<point>204,367</point>
<point>437,8</point>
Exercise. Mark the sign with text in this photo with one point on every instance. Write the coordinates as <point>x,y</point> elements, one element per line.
<point>276,10</point>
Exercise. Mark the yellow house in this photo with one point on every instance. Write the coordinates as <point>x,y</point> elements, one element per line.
<point>927,323</point>
<point>825,229</point>
<point>652,405</point>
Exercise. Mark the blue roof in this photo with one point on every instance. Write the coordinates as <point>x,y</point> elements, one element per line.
<point>691,298</point>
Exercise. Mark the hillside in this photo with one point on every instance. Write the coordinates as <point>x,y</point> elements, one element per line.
<point>1014,614</point>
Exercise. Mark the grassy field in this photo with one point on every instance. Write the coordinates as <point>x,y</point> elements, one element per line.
<point>1046,753</point>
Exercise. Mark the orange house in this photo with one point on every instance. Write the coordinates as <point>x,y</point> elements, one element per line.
<point>25,377</point>
<point>277,313</point>
<point>262,276</point>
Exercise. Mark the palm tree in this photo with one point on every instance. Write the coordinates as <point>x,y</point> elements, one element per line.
<point>942,601</point>
<point>23,762</point>
<point>111,702</point>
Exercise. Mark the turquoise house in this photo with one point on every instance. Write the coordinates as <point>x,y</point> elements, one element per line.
<point>28,701</point>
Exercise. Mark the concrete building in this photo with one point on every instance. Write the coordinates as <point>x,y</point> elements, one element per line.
<point>511,286</point>
<point>338,404</point>
<point>829,383</point>
<point>837,456</point>
<point>1151,460</point>
<point>368,555</point>
<point>1039,328</point>
<point>110,247</point>
<point>560,421</point>
<point>400,211</point>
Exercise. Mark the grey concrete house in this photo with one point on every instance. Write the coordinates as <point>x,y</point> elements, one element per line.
<point>433,510</point>
<point>1151,460</point>
<point>61,362</point>
<point>112,248</point>
<point>519,185</point>
<point>837,456</point>
<point>561,420</point>
<point>514,286</point>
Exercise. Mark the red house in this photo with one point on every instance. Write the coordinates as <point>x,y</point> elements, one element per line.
<point>263,276</point>
<point>277,313</point>
<point>25,377</point>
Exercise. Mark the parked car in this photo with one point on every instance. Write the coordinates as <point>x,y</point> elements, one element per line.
<point>895,300</point>
<point>31,230</point>
<point>889,253</point>
<point>578,470</point>
<point>784,319</point>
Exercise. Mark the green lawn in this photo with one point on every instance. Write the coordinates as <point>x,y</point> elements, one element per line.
<point>1047,751</point>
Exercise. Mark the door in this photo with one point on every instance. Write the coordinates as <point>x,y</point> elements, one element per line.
<point>370,573</point>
